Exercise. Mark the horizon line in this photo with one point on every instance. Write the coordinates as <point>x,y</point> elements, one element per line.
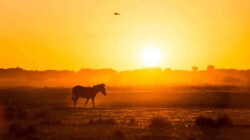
<point>143,68</point>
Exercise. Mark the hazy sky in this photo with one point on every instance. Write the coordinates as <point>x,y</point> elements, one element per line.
<point>74,34</point>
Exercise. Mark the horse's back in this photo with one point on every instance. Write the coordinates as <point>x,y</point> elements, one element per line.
<point>77,88</point>
<point>81,91</point>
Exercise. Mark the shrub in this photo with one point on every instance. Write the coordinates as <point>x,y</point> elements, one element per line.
<point>221,121</point>
<point>204,121</point>
<point>224,121</point>
<point>16,129</point>
<point>159,122</point>
<point>12,112</point>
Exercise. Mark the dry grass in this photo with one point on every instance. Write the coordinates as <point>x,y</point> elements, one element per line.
<point>42,114</point>
<point>53,122</point>
<point>48,119</point>
<point>109,121</point>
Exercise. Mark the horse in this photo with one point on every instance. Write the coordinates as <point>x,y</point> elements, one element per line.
<point>87,92</point>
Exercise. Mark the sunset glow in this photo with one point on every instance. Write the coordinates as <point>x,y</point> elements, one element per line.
<point>151,56</point>
<point>86,34</point>
<point>125,69</point>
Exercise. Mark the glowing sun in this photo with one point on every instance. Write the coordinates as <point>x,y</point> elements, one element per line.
<point>151,56</point>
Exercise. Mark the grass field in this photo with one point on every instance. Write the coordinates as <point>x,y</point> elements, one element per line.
<point>46,113</point>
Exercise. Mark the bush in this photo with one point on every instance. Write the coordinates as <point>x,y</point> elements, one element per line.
<point>16,129</point>
<point>204,121</point>
<point>159,122</point>
<point>221,121</point>
<point>224,121</point>
<point>12,112</point>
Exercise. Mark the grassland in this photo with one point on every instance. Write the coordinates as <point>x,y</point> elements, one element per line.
<point>47,113</point>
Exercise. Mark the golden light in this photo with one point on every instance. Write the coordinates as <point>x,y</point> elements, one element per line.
<point>151,56</point>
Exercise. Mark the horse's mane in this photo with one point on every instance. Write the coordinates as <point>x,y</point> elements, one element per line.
<point>99,85</point>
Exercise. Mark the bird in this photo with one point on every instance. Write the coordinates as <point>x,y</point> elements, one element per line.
<point>117,14</point>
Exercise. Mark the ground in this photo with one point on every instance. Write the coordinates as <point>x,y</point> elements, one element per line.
<point>49,114</point>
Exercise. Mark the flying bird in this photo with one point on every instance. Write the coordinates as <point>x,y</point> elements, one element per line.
<point>117,14</point>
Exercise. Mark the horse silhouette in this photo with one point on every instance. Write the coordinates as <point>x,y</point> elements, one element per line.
<point>87,92</point>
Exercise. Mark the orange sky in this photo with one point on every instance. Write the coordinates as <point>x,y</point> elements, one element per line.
<point>66,34</point>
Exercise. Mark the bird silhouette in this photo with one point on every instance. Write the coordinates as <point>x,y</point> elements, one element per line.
<point>115,13</point>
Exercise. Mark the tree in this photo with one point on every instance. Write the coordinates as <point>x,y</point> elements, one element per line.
<point>195,68</point>
<point>210,68</point>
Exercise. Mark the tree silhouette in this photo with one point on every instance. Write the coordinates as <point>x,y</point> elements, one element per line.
<point>195,68</point>
<point>210,68</point>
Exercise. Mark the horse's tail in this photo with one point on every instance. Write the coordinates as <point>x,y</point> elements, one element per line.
<point>72,96</point>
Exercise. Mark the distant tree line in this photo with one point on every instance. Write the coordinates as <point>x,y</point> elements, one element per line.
<point>16,77</point>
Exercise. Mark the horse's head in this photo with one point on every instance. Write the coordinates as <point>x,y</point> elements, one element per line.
<point>101,88</point>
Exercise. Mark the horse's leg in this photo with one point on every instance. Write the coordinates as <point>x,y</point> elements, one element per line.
<point>86,102</point>
<point>93,102</point>
<point>75,100</point>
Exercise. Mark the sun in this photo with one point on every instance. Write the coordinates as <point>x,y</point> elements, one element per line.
<point>151,56</point>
